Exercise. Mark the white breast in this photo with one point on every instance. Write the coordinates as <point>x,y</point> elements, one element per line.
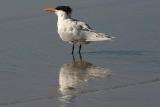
<point>68,31</point>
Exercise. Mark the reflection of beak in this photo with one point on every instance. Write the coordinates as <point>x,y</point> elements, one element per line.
<point>50,10</point>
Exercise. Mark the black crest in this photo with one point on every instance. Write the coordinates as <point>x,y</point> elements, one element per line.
<point>66,9</point>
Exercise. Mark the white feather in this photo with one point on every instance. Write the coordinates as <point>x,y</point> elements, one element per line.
<point>75,31</point>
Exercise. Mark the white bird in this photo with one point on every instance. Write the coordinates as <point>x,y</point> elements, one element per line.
<point>73,78</point>
<point>74,31</point>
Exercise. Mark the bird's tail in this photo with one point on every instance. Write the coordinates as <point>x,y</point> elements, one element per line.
<point>99,37</point>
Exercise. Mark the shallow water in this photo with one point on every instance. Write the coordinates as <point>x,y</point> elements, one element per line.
<point>37,68</point>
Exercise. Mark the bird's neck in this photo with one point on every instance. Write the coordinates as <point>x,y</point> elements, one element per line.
<point>61,20</point>
<point>63,17</point>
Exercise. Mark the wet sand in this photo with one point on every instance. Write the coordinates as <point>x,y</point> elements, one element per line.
<point>37,68</point>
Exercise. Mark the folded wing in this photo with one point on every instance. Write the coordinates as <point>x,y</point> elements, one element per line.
<point>88,34</point>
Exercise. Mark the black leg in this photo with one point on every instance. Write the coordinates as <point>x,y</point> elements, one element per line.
<point>80,46</point>
<point>73,57</point>
<point>73,49</point>
<point>80,56</point>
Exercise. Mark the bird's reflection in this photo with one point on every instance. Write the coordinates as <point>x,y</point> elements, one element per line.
<point>73,78</point>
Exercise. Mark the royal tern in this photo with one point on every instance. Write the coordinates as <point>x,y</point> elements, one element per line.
<point>74,77</point>
<point>74,31</point>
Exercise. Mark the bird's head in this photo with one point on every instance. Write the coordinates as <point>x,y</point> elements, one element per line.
<point>60,10</point>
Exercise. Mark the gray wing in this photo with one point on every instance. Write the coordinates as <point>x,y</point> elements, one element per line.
<point>88,33</point>
<point>82,25</point>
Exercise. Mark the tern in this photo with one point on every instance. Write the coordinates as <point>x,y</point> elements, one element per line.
<point>75,31</point>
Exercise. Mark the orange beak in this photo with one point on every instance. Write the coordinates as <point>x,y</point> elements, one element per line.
<point>50,10</point>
